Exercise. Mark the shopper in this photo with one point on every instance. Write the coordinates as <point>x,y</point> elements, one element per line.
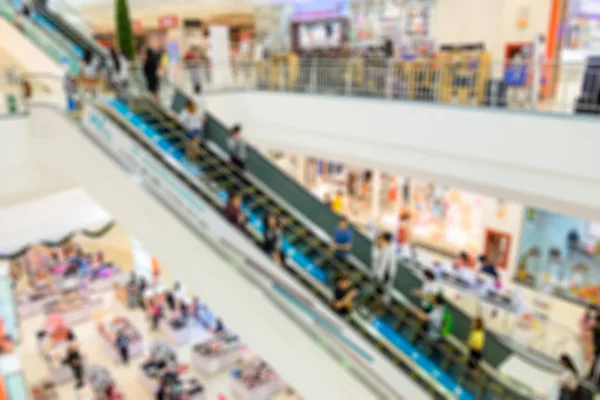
<point>233,211</point>
<point>151,58</point>
<point>192,120</point>
<point>141,292</point>
<point>237,147</point>
<point>337,203</point>
<point>488,268</point>
<point>586,325</point>
<point>118,72</point>
<point>75,361</point>
<point>596,339</point>
<point>342,240</point>
<point>122,342</point>
<point>435,319</point>
<point>383,259</point>
<point>567,381</point>
<point>89,72</point>
<point>344,295</point>
<point>155,313</point>
<point>476,342</point>
<point>271,243</point>
<point>428,290</point>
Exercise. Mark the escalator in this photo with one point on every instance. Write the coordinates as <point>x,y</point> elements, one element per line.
<point>53,21</point>
<point>393,328</point>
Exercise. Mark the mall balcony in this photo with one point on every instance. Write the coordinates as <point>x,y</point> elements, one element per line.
<point>461,119</point>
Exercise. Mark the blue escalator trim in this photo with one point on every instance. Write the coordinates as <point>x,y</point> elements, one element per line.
<point>421,360</point>
<point>253,218</point>
<point>322,322</point>
<point>48,26</point>
<point>297,256</point>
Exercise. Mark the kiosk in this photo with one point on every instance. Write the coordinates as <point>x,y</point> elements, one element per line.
<point>108,329</point>
<point>253,379</point>
<point>217,354</point>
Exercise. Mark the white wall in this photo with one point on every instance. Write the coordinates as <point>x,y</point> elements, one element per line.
<point>264,326</point>
<point>26,52</point>
<point>492,22</point>
<point>22,179</point>
<point>542,160</point>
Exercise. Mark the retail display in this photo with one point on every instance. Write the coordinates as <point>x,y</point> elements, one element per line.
<point>73,306</point>
<point>44,390</point>
<point>254,379</point>
<point>53,343</point>
<point>559,255</point>
<point>102,384</point>
<point>110,327</point>
<point>217,353</point>
<point>162,371</point>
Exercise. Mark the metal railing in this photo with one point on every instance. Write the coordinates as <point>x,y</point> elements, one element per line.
<point>563,88</point>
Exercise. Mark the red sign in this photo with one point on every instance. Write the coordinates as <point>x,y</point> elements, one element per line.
<point>168,21</point>
<point>136,25</point>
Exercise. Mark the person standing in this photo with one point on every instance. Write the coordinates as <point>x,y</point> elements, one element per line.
<point>119,72</point>
<point>342,240</point>
<point>75,361</point>
<point>272,238</point>
<point>192,120</point>
<point>237,147</point>
<point>122,342</point>
<point>476,342</point>
<point>155,312</point>
<point>383,260</point>
<point>151,59</point>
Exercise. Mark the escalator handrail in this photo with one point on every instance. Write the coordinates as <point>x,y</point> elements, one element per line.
<point>57,47</point>
<point>194,181</point>
<point>504,382</point>
<point>70,33</point>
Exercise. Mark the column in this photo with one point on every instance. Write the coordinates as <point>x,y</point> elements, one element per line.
<point>376,196</point>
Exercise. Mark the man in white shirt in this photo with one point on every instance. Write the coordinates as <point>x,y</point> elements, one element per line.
<point>383,259</point>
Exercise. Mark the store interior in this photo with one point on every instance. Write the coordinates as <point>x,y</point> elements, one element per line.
<point>553,253</point>
<point>46,312</point>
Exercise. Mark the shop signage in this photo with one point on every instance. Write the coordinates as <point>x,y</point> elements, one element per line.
<point>168,21</point>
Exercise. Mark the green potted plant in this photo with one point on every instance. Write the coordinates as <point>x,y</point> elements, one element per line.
<point>124,29</point>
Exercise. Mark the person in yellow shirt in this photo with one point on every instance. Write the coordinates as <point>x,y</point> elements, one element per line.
<point>476,343</point>
<point>337,203</point>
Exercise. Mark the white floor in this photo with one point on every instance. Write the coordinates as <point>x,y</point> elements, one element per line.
<point>36,368</point>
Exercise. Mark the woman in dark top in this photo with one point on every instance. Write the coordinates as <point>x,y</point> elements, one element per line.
<point>152,57</point>
<point>343,295</point>
<point>272,238</point>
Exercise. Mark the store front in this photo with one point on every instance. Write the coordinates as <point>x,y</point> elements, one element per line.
<point>560,255</point>
<point>437,219</point>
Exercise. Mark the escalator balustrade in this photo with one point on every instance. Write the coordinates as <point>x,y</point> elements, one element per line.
<point>310,259</point>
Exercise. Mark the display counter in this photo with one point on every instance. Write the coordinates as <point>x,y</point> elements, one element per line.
<point>150,376</point>
<point>104,283</point>
<point>54,352</point>
<point>108,329</point>
<point>75,307</point>
<point>216,354</point>
<point>176,330</point>
<point>253,379</point>
<point>44,390</point>
<point>30,304</point>
<point>101,382</point>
